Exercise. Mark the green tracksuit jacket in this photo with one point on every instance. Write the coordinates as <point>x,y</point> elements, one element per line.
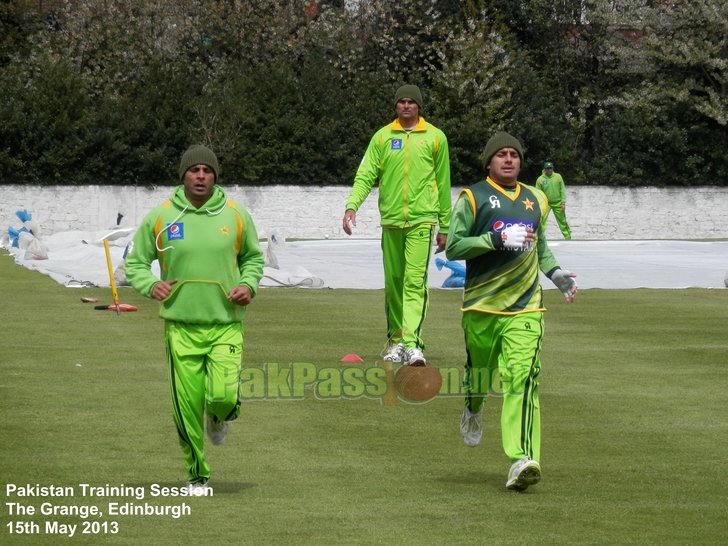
<point>554,188</point>
<point>209,250</point>
<point>413,170</point>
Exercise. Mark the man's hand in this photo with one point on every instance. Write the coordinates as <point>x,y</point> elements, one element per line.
<point>563,207</point>
<point>162,289</point>
<point>564,281</point>
<point>349,220</point>
<point>441,240</point>
<point>240,295</point>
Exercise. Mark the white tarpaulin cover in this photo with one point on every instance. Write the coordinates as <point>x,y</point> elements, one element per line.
<point>356,263</point>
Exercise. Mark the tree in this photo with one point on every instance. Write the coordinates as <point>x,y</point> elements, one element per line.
<point>684,54</point>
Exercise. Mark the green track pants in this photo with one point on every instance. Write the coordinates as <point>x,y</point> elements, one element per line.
<point>503,360</point>
<point>560,216</point>
<point>203,364</point>
<point>406,254</point>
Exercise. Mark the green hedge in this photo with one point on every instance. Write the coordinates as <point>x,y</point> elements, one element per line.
<point>93,101</point>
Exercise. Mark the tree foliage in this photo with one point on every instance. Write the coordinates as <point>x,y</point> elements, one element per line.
<point>618,92</point>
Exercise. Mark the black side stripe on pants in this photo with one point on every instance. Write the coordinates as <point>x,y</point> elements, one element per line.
<point>528,406</point>
<point>418,331</point>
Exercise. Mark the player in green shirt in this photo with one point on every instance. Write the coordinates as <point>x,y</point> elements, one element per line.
<point>211,264</point>
<point>497,227</point>
<point>552,184</point>
<point>410,160</point>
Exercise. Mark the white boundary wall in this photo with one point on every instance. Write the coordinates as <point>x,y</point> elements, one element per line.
<point>594,213</point>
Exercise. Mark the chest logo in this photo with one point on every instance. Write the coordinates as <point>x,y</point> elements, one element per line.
<point>529,204</point>
<point>176,231</point>
<point>224,230</point>
<point>500,225</point>
<point>494,203</point>
<point>396,144</point>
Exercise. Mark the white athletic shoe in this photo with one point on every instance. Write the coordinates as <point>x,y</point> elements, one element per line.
<point>523,473</point>
<point>471,427</point>
<point>414,357</point>
<point>216,431</point>
<point>198,489</point>
<point>395,353</point>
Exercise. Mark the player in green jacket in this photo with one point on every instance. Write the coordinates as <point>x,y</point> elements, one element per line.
<point>211,264</point>
<point>498,229</point>
<point>411,161</point>
<point>553,186</point>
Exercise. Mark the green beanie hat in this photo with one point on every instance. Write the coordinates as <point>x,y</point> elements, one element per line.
<point>409,92</point>
<point>198,155</point>
<point>498,142</point>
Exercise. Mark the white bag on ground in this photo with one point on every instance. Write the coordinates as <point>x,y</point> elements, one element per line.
<point>34,248</point>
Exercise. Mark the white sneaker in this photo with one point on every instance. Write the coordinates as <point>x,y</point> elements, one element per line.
<point>199,489</point>
<point>395,353</point>
<point>522,474</point>
<point>414,357</point>
<point>471,427</point>
<point>216,431</point>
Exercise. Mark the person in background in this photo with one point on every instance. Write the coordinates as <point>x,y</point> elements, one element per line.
<point>410,160</point>
<point>552,184</point>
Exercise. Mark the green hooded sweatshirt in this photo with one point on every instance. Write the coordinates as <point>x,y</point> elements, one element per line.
<point>209,251</point>
<point>413,170</point>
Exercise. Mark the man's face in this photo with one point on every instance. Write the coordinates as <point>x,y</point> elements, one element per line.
<point>549,171</point>
<point>505,166</point>
<point>408,112</point>
<point>198,182</point>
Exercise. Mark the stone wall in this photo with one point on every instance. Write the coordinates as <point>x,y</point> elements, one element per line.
<point>595,213</point>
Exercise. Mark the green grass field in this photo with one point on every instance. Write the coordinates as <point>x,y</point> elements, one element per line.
<point>633,396</point>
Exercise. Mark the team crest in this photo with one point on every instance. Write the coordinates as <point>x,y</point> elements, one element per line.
<point>176,231</point>
<point>396,144</point>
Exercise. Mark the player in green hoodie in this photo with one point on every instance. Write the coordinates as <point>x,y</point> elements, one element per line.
<point>410,160</point>
<point>211,264</point>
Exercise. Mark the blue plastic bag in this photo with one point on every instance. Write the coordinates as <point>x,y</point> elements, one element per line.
<point>24,216</point>
<point>14,233</point>
<point>457,278</point>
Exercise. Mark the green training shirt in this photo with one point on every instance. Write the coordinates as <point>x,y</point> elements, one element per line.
<point>500,280</point>
<point>554,188</point>
<point>413,170</point>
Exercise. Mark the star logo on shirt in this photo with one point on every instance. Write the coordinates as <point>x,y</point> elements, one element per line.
<point>224,230</point>
<point>529,204</point>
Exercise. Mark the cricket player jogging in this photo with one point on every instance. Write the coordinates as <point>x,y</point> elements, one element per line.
<point>498,228</point>
<point>410,160</point>
<point>211,264</point>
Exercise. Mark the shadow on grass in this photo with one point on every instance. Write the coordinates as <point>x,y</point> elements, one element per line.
<point>495,481</point>
<point>475,478</point>
<point>218,487</point>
